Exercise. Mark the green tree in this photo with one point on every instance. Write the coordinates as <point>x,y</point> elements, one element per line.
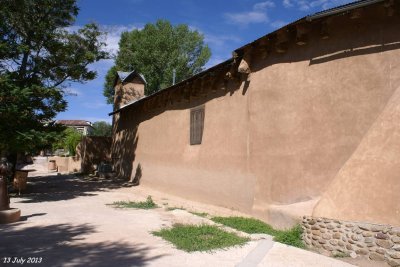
<point>68,140</point>
<point>155,51</point>
<point>39,56</point>
<point>101,128</point>
<point>71,140</point>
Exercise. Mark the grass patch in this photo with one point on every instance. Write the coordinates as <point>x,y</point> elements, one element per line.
<point>199,238</point>
<point>247,225</point>
<point>340,255</point>
<point>201,214</point>
<point>290,237</point>
<point>148,204</point>
<point>175,208</point>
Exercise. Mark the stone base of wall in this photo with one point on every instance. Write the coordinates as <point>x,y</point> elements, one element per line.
<point>333,237</point>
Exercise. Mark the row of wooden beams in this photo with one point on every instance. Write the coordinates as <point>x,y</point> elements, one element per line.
<point>279,42</point>
<point>200,87</point>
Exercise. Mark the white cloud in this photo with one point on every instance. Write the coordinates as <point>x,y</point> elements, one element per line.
<point>95,104</point>
<point>287,3</point>
<point>113,35</point>
<point>247,17</point>
<point>257,15</point>
<point>263,5</point>
<point>305,5</point>
<point>220,40</point>
<point>278,24</point>
<point>94,119</point>
<point>70,91</point>
<point>215,60</point>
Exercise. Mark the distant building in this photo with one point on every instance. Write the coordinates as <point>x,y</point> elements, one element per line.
<point>82,126</point>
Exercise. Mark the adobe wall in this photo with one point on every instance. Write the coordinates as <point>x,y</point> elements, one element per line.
<point>128,91</point>
<point>281,137</point>
<point>67,164</point>
<point>371,173</point>
<point>93,150</point>
<point>310,110</point>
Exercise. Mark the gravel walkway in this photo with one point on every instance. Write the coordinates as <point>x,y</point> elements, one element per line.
<point>66,222</point>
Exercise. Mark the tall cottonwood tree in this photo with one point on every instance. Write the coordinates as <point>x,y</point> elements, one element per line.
<point>101,128</point>
<point>39,55</point>
<point>155,51</point>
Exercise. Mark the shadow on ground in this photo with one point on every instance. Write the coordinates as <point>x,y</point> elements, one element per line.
<point>64,187</point>
<point>61,245</point>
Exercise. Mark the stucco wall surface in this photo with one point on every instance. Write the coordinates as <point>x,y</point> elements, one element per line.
<point>368,185</point>
<point>300,119</point>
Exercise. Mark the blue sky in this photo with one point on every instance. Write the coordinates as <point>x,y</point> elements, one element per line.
<point>225,24</point>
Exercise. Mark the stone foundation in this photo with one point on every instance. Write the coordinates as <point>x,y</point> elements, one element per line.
<point>333,237</point>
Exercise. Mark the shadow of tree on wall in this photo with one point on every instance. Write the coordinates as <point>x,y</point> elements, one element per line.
<point>64,187</point>
<point>62,244</point>
<point>123,151</point>
<point>138,175</point>
<point>126,124</point>
<point>93,150</point>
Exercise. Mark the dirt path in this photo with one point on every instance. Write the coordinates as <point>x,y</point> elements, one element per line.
<point>66,222</point>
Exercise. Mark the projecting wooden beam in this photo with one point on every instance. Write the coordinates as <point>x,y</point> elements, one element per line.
<point>195,88</point>
<point>167,99</point>
<point>215,81</point>
<point>145,105</point>
<point>263,47</point>
<point>302,31</point>
<point>389,5</point>
<point>356,13</point>
<point>282,41</point>
<point>177,94</point>
<point>324,33</point>
<point>204,85</point>
<point>244,66</point>
<point>187,92</point>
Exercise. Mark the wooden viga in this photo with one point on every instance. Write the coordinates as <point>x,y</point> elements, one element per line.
<point>302,31</point>
<point>282,41</point>
<point>244,65</point>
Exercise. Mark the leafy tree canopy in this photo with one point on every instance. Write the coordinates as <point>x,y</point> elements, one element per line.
<point>101,128</point>
<point>155,51</point>
<point>68,140</point>
<point>39,55</point>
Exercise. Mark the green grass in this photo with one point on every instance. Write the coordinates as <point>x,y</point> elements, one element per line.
<point>175,208</point>
<point>200,214</point>
<point>148,204</point>
<point>340,255</point>
<point>290,237</point>
<point>247,225</point>
<point>200,238</point>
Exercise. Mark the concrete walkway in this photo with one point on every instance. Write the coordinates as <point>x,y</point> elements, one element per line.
<point>66,222</point>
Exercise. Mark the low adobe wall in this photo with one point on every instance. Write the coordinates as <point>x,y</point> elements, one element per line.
<point>375,241</point>
<point>67,164</point>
